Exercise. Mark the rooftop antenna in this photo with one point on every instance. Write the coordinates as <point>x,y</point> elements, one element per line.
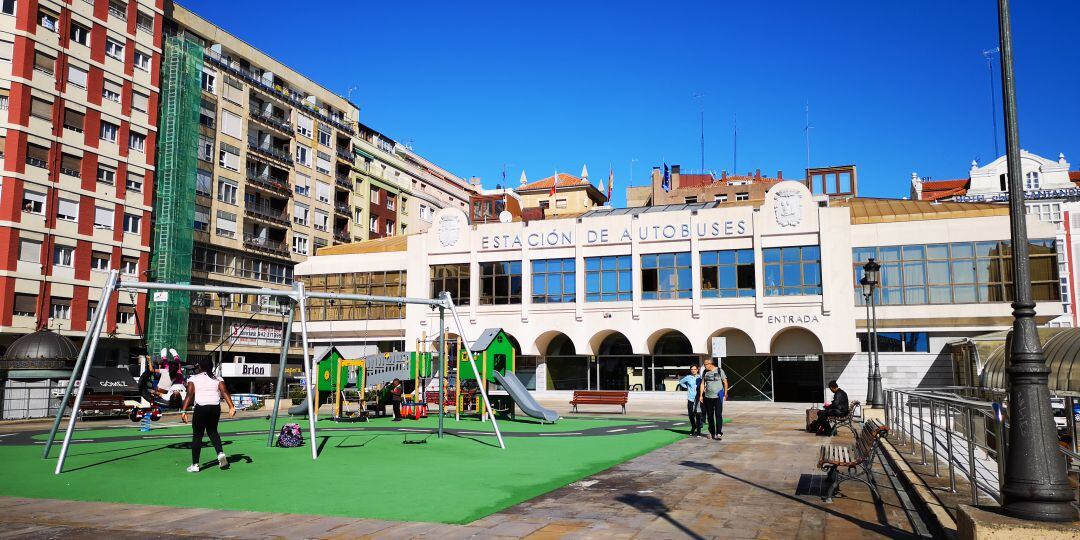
<point>701,105</point>
<point>806,130</point>
<point>348,94</point>
<point>735,146</point>
<point>989,54</point>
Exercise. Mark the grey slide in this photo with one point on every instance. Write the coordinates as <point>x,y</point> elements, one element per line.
<point>523,398</point>
<point>296,410</point>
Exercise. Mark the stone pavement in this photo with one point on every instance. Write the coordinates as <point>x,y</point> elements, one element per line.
<point>742,487</point>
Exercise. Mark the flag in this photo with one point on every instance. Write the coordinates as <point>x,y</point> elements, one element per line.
<point>610,182</point>
<point>666,183</point>
<point>554,185</point>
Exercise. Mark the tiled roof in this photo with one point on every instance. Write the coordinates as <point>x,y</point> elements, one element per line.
<point>866,210</point>
<point>939,189</point>
<point>1074,176</point>
<point>565,180</point>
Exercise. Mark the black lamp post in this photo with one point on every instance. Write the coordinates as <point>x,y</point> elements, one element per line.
<point>1036,486</point>
<point>875,396</point>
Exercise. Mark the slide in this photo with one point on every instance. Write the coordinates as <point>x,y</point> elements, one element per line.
<point>296,410</point>
<point>523,398</point>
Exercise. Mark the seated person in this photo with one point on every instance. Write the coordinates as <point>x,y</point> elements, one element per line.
<point>839,406</point>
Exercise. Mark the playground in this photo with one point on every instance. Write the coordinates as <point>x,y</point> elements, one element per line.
<point>364,470</point>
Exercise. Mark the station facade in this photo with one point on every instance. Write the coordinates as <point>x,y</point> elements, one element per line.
<point>628,299</point>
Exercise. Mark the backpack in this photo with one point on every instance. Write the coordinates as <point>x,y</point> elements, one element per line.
<point>290,436</point>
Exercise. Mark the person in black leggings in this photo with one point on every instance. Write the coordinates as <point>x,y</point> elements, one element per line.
<point>207,392</point>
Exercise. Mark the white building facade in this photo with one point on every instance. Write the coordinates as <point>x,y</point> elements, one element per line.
<point>628,299</point>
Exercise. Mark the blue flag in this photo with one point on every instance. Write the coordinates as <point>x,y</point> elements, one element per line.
<point>666,183</point>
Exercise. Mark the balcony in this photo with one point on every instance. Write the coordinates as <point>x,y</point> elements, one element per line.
<point>279,92</point>
<point>266,212</point>
<point>268,246</point>
<point>270,183</point>
<point>343,182</point>
<point>341,208</point>
<point>345,156</point>
<point>36,162</point>
<point>274,122</point>
<point>342,237</point>
<point>272,153</point>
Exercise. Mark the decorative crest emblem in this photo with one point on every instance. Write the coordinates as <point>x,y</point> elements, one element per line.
<point>449,230</point>
<point>788,208</point>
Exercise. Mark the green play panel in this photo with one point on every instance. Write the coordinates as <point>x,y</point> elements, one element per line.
<point>364,470</point>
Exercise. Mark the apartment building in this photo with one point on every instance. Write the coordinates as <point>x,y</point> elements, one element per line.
<point>403,189</point>
<point>79,82</point>
<point>274,182</point>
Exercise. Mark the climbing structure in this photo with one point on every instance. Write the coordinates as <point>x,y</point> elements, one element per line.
<point>174,190</point>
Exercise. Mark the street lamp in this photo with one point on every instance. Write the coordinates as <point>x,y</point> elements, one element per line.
<point>1036,485</point>
<point>871,275</point>
<point>223,302</point>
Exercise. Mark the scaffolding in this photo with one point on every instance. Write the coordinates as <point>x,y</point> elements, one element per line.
<point>174,197</point>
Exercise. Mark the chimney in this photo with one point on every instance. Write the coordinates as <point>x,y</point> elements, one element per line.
<point>757,174</point>
<point>779,175</point>
<point>676,174</point>
<point>723,175</point>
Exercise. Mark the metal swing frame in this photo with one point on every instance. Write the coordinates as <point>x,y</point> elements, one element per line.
<point>297,297</point>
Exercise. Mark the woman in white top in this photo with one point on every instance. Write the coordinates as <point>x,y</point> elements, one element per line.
<point>206,391</point>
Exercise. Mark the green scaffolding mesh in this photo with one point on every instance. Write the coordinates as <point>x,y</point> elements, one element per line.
<point>174,200</point>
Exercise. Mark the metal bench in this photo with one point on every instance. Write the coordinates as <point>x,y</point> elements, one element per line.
<point>843,463</point>
<point>600,397</point>
<point>848,421</point>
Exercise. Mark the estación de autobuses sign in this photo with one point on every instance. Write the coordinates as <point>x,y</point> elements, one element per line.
<point>607,235</point>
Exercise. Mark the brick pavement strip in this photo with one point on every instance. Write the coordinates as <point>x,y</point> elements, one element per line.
<point>742,487</point>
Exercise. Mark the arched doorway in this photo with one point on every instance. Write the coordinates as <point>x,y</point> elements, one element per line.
<point>749,374</point>
<point>797,369</point>
<point>566,369</point>
<point>672,356</point>
<point>617,367</point>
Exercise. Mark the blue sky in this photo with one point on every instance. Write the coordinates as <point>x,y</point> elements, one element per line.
<point>542,86</point>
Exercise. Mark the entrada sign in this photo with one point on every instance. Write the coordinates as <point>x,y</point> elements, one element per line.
<point>792,319</point>
<point>554,238</point>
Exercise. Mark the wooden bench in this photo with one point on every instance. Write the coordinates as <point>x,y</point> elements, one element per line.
<point>600,397</point>
<point>101,403</point>
<point>843,463</point>
<point>849,421</point>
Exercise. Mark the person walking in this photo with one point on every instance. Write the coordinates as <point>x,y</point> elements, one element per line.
<point>712,393</point>
<point>693,408</point>
<point>206,391</point>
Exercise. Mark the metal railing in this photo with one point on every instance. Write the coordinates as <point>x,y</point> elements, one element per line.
<point>271,152</point>
<point>963,430</point>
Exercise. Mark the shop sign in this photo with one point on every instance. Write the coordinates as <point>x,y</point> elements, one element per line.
<point>605,235</point>
<point>255,335</point>
<point>246,370</point>
<point>1034,194</point>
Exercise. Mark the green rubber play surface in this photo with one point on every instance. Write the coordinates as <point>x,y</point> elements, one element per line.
<point>365,472</point>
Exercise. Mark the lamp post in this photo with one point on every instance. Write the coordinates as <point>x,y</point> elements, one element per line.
<point>871,275</point>
<point>223,301</point>
<point>1036,486</point>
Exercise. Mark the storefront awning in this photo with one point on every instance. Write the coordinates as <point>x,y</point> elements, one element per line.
<point>363,154</point>
<point>104,379</point>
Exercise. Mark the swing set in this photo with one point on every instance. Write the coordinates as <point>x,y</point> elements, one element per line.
<point>295,300</point>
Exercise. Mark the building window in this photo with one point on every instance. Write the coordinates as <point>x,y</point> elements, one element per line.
<point>25,305</point>
<point>897,342</point>
<point>956,273</point>
<point>202,218</point>
<point>427,213</point>
<point>137,142</point>
<point>1031,180</point>
<point>111,91</point>
<point>60,308</point>
<point>303,155</point>
<point>209,81</point>
<point>41,109</point>
<point>114,48</point>
<point>44,63</point>
<point>79,34</point>
<point>390,227</point>
<point>322,221</point>
<point>49,21</point>
<point>132,223</point>
<point>142,61</point>
<point>666,276</point>
<point>7,7</point>
<point>37,156</point>
<point>64,256</point>
<point>229,157</point>
<point>324,135</point>
<point>33,202</point>
<point>389,202</point>
<point>108,132</point>
<point>608,279</point>
<point>7,49</point>
<point>76,76</point>
<point>322,191</point>
<point>125,315</point>
<point>792,270</point>
<point>742,196</point>
<point>553,281</point>
<point>1048,212</point>
<point>227,190</point>
<point>74,120</point>
<point>118,10</point>
<point>690,200</point>
<point>99,261</point>
<point>106,175</point>
<point>204,183</point>
<point>226,224</point>
<point>30,251</point>
<point>103,218</point>
<point>304,125</point>
<point>67,210</point>
<point>500,283</point>
<point>560,203</point>
<point>134,182</point>
<point>144,22</point>
<point>206,148</point>
<point>391,283</point>
<point>727,274</point>
<point>91,309</point>
<point>139,102</point>
<point>373,224</point>
<point>452,278</point>
<point>303,185</point>
<point>129,266</point>
<point>374,196</point>
<point>545,204</point>
<point>300,243</point>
